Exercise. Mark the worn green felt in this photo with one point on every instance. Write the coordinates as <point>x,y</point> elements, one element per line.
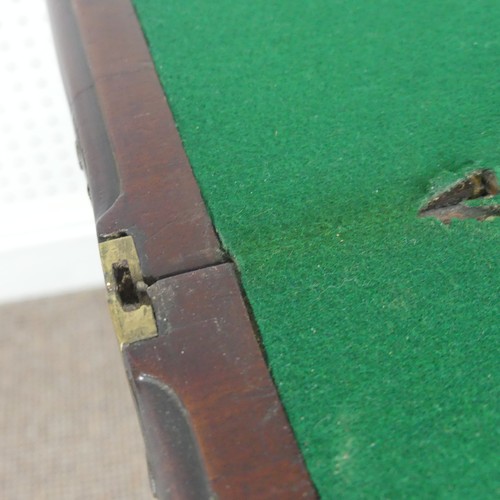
<point>316,129</point>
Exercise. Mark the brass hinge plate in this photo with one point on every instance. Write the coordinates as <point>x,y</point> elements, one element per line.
<point>130,307</point>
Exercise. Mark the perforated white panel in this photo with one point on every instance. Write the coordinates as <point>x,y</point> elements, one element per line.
<point>47,241</point>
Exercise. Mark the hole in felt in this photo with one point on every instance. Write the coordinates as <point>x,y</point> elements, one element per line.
<point>449,204</point>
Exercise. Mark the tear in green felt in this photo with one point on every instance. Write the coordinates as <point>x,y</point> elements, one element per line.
<point>315,130</point>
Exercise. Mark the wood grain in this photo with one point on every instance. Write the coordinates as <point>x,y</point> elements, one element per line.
<point>140,180</point>
<point>207,355</point>
<point>211,417</point>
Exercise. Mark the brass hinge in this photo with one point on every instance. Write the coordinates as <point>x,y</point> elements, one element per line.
<point>128,301</point>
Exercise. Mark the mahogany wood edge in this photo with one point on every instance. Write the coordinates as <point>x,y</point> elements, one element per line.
<point>93,146</point>
<point>90,92</point>
<point>140,180</point>
<point>207,358</point>
<point>175,466</point>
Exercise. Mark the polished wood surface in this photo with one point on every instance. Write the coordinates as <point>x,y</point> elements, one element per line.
<point>211,417</point>
<point>140,180</point>
<point>206,364</point>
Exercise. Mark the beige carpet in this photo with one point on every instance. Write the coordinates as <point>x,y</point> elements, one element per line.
<point>68,428</point>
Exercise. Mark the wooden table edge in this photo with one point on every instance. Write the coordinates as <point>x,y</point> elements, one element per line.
<point>123,122</point>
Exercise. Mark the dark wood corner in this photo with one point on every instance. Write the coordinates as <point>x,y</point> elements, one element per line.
<point>206,372</point>
<point>140,181</point>
<point>213,423</point>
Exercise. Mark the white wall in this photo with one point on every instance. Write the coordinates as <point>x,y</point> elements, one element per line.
<point>47,233</point>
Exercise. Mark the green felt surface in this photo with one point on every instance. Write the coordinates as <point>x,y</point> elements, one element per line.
<point>315,130</point>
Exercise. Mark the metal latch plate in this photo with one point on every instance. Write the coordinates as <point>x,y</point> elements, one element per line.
<point>130,307</point>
